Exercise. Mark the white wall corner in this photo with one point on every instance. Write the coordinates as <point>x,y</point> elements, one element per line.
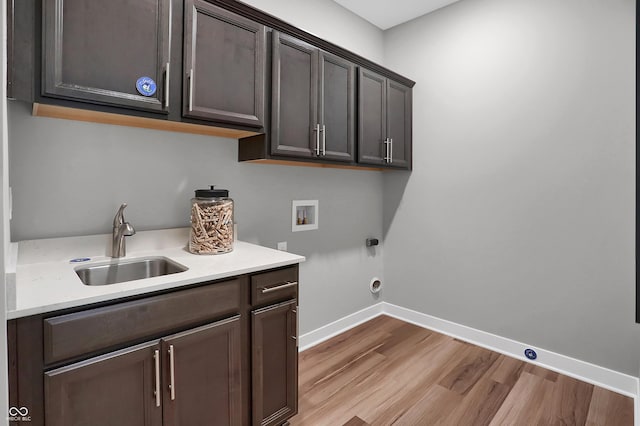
<point>330,330</point>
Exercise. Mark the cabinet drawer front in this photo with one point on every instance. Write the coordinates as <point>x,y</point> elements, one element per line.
<point>83,332</point>
<point>274,285</point>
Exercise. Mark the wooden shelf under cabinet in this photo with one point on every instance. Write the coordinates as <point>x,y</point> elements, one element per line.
<point>55,111</point>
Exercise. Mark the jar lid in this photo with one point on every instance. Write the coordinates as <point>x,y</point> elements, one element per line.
<point>212,193</point>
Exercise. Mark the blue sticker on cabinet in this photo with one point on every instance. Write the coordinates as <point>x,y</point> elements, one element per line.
<point>146,86</point>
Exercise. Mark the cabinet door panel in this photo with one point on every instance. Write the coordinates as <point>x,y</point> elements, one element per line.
<point>206,375</point>
<point>275,364</point>
<point>113,389</point>
<point>224,66</point>
<point>294,97</point>
<point>372,109</point>
<point>96,50</point>
<point>337,110</point>
<point>399,123</point>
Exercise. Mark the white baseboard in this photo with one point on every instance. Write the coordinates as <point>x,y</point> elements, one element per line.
<point>326,332</point>
<point>581,370</point>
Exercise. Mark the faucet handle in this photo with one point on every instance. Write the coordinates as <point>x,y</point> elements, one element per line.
<point>128,229</point>
<point>119,217</point>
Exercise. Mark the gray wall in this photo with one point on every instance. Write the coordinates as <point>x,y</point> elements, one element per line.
<point>69,177</point>
<point>518,218</point>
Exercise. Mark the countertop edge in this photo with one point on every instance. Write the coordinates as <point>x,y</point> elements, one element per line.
<point>36,310</point>
<point>11,265</point>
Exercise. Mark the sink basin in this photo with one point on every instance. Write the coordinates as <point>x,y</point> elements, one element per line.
<point>127,270</point>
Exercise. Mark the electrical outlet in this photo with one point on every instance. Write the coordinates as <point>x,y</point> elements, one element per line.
<point>282,246</point>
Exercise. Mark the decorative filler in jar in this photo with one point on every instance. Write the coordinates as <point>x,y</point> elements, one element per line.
<point>211,222</point>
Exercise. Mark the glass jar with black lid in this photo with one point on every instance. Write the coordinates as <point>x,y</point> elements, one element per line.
<point>211,222</point>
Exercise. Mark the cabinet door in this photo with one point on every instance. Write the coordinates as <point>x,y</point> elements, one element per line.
<point>274,363</point>
<point>337,107</point>
<point>201,375</point>
<point>113,389</point>
<point>101,51</point>
<point>294,98</point>
<point>372,110</point>
<point>224,66</point>
<point>399,124</point>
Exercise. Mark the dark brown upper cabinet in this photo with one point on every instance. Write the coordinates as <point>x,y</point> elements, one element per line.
<point>294,97</point>
<point>312,109</point>
<point>384,108</point>
<point>112,52</point>
<point>213,67</point>
<point>224,66</point>
<point>336,109</point>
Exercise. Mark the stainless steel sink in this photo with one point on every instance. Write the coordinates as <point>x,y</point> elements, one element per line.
<point>127,270</point>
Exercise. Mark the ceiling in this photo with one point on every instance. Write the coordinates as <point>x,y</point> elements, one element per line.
<point>387,14</point>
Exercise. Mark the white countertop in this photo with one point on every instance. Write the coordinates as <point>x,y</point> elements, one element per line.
<point>44,280</point>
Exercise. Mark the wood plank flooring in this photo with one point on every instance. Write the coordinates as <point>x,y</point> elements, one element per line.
<point>388,372</point>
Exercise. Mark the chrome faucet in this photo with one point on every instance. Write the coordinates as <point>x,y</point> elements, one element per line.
<point>121,229</point>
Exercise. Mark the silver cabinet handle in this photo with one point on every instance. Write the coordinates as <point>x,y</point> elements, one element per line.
<point>191,90</point>
<point>295,312</point>
<point>156,359</point>
<point>324,140</point>
<point>279,287</point>
<point>317,129</point>
<point>166,86</point>
<point>390,150</point>
<point>386,150</point>
<point>172,383</point>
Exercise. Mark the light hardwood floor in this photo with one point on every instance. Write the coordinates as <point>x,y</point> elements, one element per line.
<point>388,372</point>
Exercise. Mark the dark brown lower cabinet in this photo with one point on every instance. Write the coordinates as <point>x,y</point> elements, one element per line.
<point>188,378</point>
<point>218,353</point>
<point>275,363</point>
<point>202,376</point>
<point>112,389</point>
